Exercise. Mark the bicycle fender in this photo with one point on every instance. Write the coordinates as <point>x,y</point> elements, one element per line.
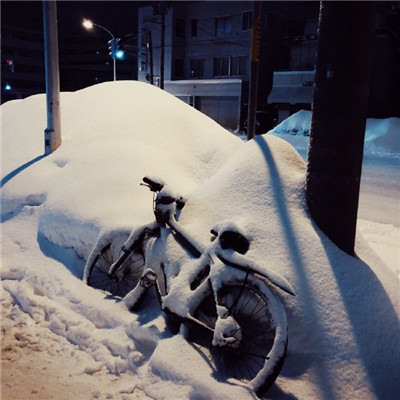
<point>136,233</point>
<point>241,262</point>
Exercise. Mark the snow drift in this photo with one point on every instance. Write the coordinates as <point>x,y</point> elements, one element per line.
<point>382,136</point>
<point>343,321</point>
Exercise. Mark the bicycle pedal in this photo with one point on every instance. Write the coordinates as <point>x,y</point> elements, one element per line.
<point>149,279</point>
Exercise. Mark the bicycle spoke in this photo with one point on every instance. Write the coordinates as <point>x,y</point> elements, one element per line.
<point>249,309</point>
<point>124,279</point>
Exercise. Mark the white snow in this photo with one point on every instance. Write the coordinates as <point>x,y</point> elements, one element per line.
<point>63,340</point>
<point>379,207</point>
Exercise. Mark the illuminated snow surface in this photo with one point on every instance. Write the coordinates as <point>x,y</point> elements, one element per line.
<point>63,340</point>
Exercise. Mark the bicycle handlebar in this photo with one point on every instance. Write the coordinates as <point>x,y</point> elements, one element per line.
<point>152,185</point>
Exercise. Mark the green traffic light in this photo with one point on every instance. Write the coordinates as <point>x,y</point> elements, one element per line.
<point>119,54</point>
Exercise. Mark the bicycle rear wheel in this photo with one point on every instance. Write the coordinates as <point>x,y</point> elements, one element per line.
<point>259,357</point>
<point>107,252</point>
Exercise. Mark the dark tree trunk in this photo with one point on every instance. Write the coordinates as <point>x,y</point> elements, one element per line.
<point>339,116</point>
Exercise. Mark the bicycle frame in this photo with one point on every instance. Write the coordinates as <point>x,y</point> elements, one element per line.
<point>204,272</point>
<point>215,286</point>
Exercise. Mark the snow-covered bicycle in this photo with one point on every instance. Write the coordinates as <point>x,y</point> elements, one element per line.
<point>219,299</point>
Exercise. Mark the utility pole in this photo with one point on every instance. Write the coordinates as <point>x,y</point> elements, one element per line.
<point>163,11</point>
<point>150,45</point>
<point>254,68</point>
<point>338,119</point>
<point>52,133</point>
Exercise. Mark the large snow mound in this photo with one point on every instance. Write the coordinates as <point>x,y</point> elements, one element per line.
<point>113,134</point>
<point>343,321</point>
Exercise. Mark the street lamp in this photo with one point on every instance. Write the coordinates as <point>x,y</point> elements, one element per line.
<point>87,24</point>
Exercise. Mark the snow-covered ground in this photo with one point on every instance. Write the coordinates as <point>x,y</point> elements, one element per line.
<point>63,340</point>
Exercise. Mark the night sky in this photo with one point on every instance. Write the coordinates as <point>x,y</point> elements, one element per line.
<point>120,17</point>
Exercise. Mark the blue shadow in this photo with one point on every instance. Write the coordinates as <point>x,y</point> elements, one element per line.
<point>373,319</point>
<point>300,362</point>
<point>16,171</point>
<point>67,257</point>
<point>370,311</point>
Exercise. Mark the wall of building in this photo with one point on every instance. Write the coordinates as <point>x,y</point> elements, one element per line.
<point>190,37</point>
<point>203,42</point>
<point>212,40</point>
<point>24,49</point>
<point>84,60</point>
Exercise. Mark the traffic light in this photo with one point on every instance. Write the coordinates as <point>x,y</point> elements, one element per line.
<point>115,51</point>
<point>112,45</point>
<point>10,64</point>
<point>119,54</point>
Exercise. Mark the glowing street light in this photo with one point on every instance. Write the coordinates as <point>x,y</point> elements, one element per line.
<point>88,24</point>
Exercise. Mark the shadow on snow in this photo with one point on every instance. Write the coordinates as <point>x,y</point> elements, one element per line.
<point>370,311</point>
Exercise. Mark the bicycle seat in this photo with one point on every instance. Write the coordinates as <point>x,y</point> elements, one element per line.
<point>230,237</point>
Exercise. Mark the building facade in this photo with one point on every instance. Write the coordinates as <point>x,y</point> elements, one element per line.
<point>206,60</point>
<point>293,88</point>
<point>207,57</point>
<point>22,63</point>
<point>207,50</point>
<point>84,60</point>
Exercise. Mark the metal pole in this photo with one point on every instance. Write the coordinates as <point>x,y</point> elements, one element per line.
<point>150,44</point>
<point>113,57</point>
<point>52,133</point>
<point>255,60</point>
<point>163,11</point>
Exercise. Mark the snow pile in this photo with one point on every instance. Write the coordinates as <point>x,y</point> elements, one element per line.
<point>343,321</point>
<point>382,136</point>
<point>297,124</point>
<point>112,137</point>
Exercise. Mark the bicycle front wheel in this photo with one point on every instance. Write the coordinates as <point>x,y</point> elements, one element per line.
<point>107,251</point>
<point>258,358</point>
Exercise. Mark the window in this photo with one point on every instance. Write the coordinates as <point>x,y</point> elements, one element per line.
<point>178,67</point>
<point>196,68</point>
<point>246,20</point>
<point>193,27</point>
<point>230,66</point>
<point>180,28</point>
<point>223,25</point>
<point>221,66</point>
<point>143,37</point>
<point>238,65</point>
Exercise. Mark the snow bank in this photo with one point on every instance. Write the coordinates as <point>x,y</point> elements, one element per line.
<point>343,321</point>
<point>327,324</point>
<point>382,136</point>
<point>113,135</point>
<point>297,124</point>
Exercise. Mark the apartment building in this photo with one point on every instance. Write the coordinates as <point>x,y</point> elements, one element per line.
<point>293,88</point>
<point>84,60</point>
<point>207,57</point>
<point>22,63</point>
<point>207,52</point>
